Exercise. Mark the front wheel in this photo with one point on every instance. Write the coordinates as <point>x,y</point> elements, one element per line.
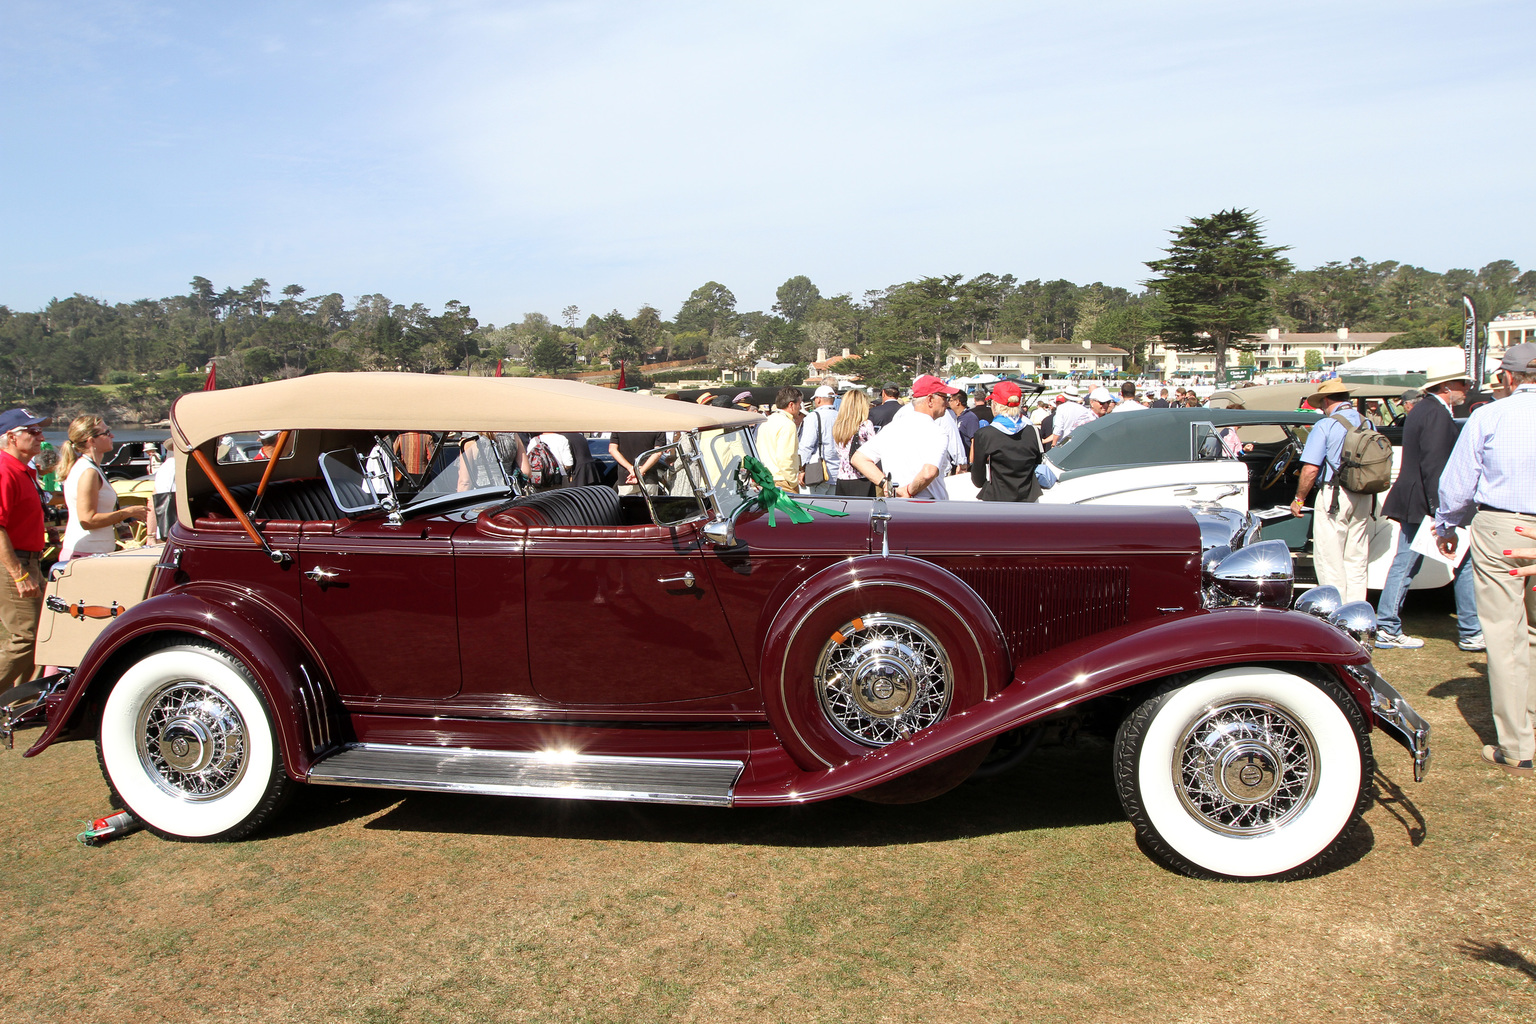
<point>1244,773</point>
<point>187,744</point>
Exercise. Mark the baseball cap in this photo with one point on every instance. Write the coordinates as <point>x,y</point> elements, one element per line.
<point>1007,393</point>
<point>1518,358</point>
<point>1099,395</point>
<point>824,392</point>
<point>1061,399</point>
<point>928,384</point>
<point>13,418</point>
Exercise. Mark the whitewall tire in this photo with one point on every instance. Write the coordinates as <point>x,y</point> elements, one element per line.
<point>187,744</point>
<point>1249,772</point>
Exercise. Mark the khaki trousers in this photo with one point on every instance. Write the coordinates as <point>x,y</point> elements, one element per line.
<point>18,617</point>
<point>1507,607</point>
<point>1341,542</point>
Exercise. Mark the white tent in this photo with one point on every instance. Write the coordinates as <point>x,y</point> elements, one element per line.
<point>1400,362</point>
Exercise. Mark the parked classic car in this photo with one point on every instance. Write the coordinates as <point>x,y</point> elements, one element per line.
<point>1182,457</point>
<point>429,626</point>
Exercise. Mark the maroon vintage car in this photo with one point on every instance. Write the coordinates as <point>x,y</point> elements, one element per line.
<point>382,603</point>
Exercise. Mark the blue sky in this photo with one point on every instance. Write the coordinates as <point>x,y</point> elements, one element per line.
<point>528,156</point>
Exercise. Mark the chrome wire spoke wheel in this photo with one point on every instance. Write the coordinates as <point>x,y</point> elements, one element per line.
<point>881,678</point>
<point>191,741</point>
<point>1245,768</point>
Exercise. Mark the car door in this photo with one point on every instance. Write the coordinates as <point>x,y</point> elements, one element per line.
<point>626,615</point>
<point>379,606</point>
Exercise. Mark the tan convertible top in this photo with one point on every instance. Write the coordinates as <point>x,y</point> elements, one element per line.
<point>419,401</point>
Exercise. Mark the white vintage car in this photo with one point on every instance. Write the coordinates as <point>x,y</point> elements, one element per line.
<point>1180,457</point>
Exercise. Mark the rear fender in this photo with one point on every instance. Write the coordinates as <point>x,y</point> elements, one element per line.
<point>1078,672</point>
<point>304,709</point>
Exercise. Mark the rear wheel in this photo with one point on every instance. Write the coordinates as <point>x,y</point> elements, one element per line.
<point>1244,773</point>
<point>187,744</point>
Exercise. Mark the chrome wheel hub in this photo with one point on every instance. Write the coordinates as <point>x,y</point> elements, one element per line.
<point>883,677</point>
<point>1245,768</point>
<point>191,741</point>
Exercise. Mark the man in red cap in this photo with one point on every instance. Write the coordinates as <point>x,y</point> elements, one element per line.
<point>911,457</point>
<point>1007,450</point>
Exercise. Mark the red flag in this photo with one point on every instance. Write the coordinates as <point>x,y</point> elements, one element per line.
<point>212,383</point>
<point>621,375</point>
<point>498,367</point>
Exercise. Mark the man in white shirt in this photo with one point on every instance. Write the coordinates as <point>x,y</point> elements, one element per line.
<point>911,457</point>
<point>1072,414</point>
<point>816,443</point>
<point>1128,398</point>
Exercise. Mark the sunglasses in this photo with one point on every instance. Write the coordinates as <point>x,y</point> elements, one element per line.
<point>103,433</point>
<point>34,431</point>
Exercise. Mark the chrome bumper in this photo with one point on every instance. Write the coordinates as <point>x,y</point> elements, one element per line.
<point>1396,717</point>
<point>27,703</point>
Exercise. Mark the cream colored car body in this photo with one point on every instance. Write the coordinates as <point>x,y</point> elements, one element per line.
<point>120,580</point>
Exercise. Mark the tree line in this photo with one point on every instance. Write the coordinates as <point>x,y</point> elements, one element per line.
<point>1219,283</point>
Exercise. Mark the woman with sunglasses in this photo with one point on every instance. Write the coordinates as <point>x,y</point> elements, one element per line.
<point>92,503</point>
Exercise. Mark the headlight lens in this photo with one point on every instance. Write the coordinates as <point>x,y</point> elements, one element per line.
<point>1358,619</point>
<point>1260,574</point>
<point>1320,601</point>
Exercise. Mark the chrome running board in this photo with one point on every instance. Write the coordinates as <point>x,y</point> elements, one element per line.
<point>559,775</point>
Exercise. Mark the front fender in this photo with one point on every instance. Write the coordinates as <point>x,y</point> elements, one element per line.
<point>299,694</point>
<point>1080,671</point>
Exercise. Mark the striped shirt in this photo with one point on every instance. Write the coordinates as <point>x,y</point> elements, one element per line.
<point>1493,463</point>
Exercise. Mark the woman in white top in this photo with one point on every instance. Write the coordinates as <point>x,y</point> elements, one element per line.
<point>92,503</point>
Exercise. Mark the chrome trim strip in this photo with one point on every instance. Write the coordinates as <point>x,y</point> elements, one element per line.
<point>553,774</point>
<point>1396,717</point>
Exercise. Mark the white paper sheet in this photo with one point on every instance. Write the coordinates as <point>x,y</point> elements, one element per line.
<point>1424,544</point>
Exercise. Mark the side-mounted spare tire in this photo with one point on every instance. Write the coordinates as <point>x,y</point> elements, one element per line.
<point>1248,772</point>
<point>187,745</point>
<point>872,651</point>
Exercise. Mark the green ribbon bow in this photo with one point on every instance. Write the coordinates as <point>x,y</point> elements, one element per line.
<point>772,498</point>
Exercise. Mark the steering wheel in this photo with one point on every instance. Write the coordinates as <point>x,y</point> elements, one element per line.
<point>1284,461</point>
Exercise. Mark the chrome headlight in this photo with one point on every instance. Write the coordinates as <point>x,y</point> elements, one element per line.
<point>1358,619</point>
<point>1210,560</point>
<point>1320,601</point>
<point>1257,575</point>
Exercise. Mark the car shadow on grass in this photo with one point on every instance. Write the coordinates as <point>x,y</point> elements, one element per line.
<point>1472,701</point>
<point>1058,787</point>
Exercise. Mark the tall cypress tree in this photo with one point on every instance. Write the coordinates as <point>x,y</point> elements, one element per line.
<point>1216,281</point>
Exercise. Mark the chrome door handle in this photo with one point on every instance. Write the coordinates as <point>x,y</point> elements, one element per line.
<point>686,579</point>
<point>320,574</point>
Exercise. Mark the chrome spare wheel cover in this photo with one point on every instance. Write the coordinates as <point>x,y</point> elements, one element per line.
<point>191,740</point>
<point>1245,768</point>
<point>881,678</point>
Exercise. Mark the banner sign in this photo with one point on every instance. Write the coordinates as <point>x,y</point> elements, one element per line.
<point>1469,342</point>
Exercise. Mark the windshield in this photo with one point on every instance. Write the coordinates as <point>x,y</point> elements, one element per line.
<point>425,467</point>
<point>722,452</point>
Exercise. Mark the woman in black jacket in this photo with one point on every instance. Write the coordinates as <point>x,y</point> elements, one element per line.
<point>1007,450</point>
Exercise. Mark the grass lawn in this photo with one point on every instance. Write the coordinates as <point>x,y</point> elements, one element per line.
<point>1023,898</point>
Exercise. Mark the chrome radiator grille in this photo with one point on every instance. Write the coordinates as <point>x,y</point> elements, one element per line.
<point>1044,607</point>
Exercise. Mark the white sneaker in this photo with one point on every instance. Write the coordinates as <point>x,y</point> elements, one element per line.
<point>1475,642</point>
<point>1387,641</point>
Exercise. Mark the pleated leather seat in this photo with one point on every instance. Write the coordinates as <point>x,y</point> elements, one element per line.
<point>304,500</point>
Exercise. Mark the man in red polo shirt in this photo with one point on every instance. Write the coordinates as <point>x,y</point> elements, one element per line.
<point>21,544</point>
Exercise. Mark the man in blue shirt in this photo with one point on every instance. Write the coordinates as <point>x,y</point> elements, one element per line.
<point>1341,518</point>
<point>1490,482</point>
